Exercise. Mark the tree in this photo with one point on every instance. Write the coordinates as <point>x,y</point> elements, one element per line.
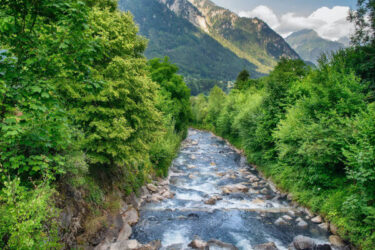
<point>364,21</point>
<point>242,79</point>
<point>174,92</point>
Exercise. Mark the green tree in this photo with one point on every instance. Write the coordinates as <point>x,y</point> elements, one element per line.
<point>175,93</point>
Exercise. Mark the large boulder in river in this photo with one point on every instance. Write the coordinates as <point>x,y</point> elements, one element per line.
<point>235,188</point>
<point>217,244</point>
<point>336,241</point>
<point>303,243</point>
<point>266,246</point>
<point>198,244</point>
<point>130,217</point>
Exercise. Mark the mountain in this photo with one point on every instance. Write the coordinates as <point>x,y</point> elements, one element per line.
<point>310,46</point>
<point>249,38</point>
<point>207,41</point>
<point>197,54</point>
<point>344,40</point>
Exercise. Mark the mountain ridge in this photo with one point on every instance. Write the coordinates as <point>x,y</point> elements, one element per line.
<point>249,38</point>
<point>310,46</point>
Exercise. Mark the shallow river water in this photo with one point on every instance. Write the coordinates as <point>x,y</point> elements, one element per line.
<point>205,164</point>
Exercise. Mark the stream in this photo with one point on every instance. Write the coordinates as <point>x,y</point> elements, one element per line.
<point>219,196</point>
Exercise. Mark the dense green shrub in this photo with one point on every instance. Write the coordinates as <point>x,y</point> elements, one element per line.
<point>28,218</point>
<point>78,105</point>
<point>312,131</point>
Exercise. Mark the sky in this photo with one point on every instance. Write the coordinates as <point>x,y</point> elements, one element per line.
<point>326,17</point>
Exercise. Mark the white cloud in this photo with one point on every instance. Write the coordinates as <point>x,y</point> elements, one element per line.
<point>264,13</point>
<point>330,23</point>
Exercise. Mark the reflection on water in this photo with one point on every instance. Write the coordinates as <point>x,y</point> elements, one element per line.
<point>205,166</point>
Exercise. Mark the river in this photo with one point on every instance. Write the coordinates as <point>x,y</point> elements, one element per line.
<point>203,168</point>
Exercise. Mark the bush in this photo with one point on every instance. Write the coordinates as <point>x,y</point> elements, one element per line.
<point>28,218</point>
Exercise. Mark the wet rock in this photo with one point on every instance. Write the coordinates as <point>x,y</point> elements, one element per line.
<point>289,197</point>
<point>292,213</point>
<point>281,222</point>
<point>130,217</point>
<point>318,219</point>
<point>303,243</point>
<point>258,201</point>
<point>287,218</point>
<point>191,166</point>
<point>235,188</point>
<point>153,245</point>
<point>191,176</point>
<point>175,247</point>
<point>310,214</point>
<point>324,226</point>
<point>213,200</point>
<point>333,228</point>
<point>264,191</point>
<point>336,241</point>
<point>152,188</point>
<point>135,201</point>
<point>266,246</point>
<point>125,233</point>
<point>156,198</point>
<point>193,157</point>
<point>301,223</point>
<point>323,247</point>
<point>253,191</point>
<point>198,244</point>
<point>216,244</point>
<point>168,194</point>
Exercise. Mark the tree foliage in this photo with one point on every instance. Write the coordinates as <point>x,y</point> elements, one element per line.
<point>78,101</point>
<point>312,131</point>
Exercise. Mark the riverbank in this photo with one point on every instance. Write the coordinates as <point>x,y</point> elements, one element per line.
<point>212,196</point>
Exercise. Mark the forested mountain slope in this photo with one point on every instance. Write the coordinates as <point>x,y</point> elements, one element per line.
<point>197,54</point>
<point>249,38</point>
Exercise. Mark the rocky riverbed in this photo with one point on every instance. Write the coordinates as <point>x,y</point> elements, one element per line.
<point>212,199</point>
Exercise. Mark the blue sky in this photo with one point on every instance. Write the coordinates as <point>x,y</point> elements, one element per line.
<point>327,17</point>
<point>302,7</point>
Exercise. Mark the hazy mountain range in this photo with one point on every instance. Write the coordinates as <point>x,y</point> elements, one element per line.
<point>310,46</point>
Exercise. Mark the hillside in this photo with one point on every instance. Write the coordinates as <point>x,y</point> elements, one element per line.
<point>249,38</point>
<point>207,41</point>
<point>197,54</point>
<point>310,46</point>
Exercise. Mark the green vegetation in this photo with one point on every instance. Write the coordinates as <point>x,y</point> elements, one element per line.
<point>312,131</point>
<point>198,55</point>
<point>79,106</point>
<point>249,38</point>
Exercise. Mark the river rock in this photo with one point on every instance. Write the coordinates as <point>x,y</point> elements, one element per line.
<point>235,188</point>
<point>264,191</point>
<point>213,200</point>
<point>281,222</point>
<point>153,245</point>
<point>317,219</point>
<point>216,244</point>
<point>152,188</point>
<point>333,228</point>
<point>198,244</point>
<point>125,233</point>
<point>130,217</point>
<point>301,223</point>
<point>324,226</point>
<point>266,246</point>
<point>178,246</point>
<point>303,243</point>
<point>336,241</point>
<point>191,166</point>
<point>168,194</point>
<point>287,218</point>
